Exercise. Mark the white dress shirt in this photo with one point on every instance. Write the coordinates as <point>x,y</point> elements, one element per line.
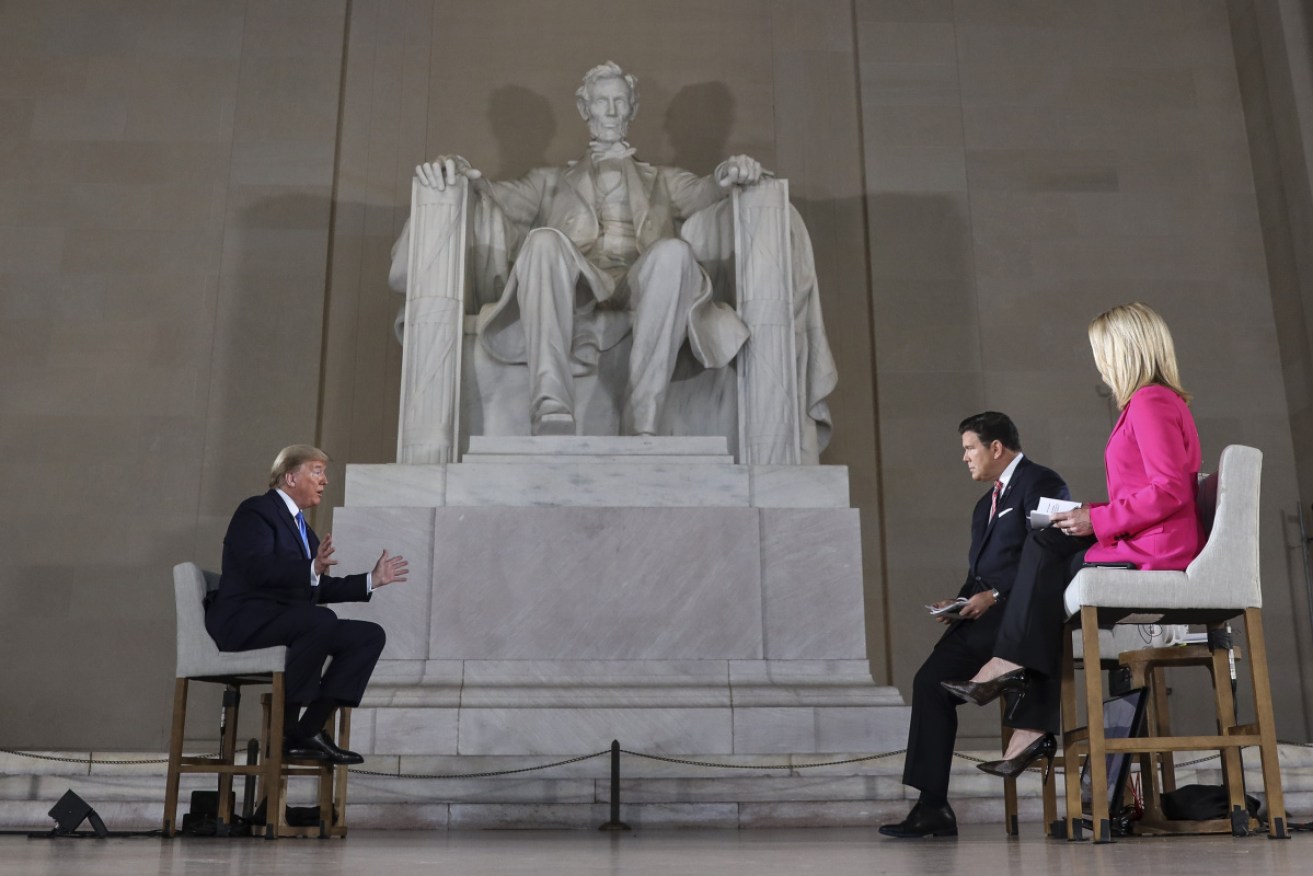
<point>294,510</point>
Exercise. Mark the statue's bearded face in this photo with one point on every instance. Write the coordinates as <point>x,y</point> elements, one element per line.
<point>609,109</point>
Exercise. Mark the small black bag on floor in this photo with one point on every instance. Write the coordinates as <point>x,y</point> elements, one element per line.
<point>203,817</point>
<point>1203,803</point>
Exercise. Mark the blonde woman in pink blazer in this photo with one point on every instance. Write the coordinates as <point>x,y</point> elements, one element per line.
<point>1149,522</point>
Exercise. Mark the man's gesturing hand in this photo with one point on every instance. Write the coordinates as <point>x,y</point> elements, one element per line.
<point>324,556</point>
<point>389,570</point>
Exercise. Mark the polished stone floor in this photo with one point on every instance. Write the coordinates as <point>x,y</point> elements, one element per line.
<point>982,850</point>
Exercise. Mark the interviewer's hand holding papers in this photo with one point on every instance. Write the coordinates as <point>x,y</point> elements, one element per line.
<point>947,610</point>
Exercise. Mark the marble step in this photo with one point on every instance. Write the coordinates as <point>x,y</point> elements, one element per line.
<point>589,450</point>
<point>595,458</point>
<point>661,480</point>
<point>583,483</point>
<point>742,792</point>
<point>711,447</point>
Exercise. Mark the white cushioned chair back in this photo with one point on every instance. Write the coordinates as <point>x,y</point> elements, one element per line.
<point>194,643</point>
<point>198,655</point>
<point>1229,561</point>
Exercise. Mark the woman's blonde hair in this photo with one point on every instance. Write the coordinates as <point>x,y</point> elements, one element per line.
<point>291,458</point>
<point>1132,349</point>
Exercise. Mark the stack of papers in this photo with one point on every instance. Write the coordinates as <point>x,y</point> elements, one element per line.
<point>951,610</point>
<point>1042,516</point>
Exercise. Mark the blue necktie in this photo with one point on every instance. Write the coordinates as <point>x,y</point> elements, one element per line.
<point>305,542</point>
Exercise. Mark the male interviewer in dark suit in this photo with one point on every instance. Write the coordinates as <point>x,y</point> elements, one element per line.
<point>271,593</point>
<point>991,448</point>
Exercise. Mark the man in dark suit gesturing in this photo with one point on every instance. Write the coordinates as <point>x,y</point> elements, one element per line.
<point>991,448</point>
<point>275,579</point>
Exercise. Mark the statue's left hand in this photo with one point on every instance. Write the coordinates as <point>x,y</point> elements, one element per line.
<point>738,170</point>
<point>443,171</point>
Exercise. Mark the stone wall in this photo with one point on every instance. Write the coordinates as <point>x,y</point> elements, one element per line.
<point>197,202</point>
<point>166,173</point>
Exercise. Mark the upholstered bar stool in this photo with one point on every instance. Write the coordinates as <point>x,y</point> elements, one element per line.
<point>1221,584</point>
<point>199,659</point>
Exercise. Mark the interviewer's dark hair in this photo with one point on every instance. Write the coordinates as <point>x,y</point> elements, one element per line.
<point>992,426</point>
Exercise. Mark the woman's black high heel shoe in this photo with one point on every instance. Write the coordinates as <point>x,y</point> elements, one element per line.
<point>982,692</point>
<point>1046,747</point>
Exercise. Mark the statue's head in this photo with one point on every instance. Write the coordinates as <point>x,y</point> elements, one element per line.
<point>608,101</point>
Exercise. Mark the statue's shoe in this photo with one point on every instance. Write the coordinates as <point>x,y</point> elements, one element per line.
<point>554,424</point>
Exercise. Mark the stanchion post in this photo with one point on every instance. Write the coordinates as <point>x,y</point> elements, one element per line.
<point>615,823</point>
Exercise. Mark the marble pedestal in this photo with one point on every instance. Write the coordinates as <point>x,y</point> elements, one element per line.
<point>565,592</point>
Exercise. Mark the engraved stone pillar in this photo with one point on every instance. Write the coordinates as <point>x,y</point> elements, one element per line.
<point>767,372</point>
<point>428,427</point>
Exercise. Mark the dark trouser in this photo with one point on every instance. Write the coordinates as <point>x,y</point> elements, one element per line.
<point>1031,630</point>
<point>964,648</point>
<point>312,634</point>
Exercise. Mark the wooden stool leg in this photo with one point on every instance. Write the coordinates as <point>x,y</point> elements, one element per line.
<point>1099,815</point>
<point>1161,725</point>
<point>1050,794</point>
<point>262,777</point>
<point>1070,746</point>
<point>175,757</point>
<point>1267,731</point>
<point>232,695</point>
<point>1157,768</point>
<point>325,782</point>
<point>273,760</point>
<point>339,781</point>
<point>1010,825</point>
<point>1233,776</point>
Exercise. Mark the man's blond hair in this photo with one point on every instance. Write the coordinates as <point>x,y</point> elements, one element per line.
<point>291,458</point>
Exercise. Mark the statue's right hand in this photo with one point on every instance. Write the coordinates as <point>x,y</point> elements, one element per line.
<point>443,170</point>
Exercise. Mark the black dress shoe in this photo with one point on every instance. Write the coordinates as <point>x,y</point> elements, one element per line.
<point>982,692</point>
<point>298,749</point>
<point>924,821</point>
<point>1046,746</point>
<point>328,751</point>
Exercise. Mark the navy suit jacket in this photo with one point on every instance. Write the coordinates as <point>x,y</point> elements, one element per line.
<point>996,545</point>
<point>265,570</point>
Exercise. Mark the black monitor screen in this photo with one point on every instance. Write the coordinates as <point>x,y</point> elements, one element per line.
<point>1123,717</point>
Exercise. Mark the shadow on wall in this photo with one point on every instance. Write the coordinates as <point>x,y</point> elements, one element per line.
<point>698,123</point>
<point>524,125</point>
<point>94,635</point>
<point>268,344</point>
<point>265,388</point>
<point>924,307</point>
